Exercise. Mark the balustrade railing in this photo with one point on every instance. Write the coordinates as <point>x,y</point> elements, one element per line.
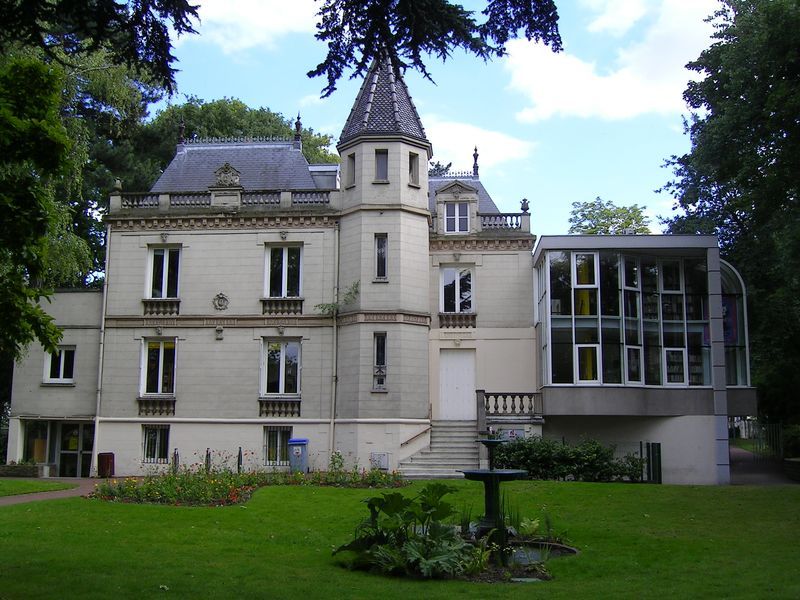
<point>524,405</point>
<point>279,407</point>
<point>455,320</point>
<point>501,220</point>
<point>260,198</point>
<point>158,406</point>
<point>282,306</point>
<point>161,306</point>
<point>311,197</point>
<point>140,201</point>
<point>190,199</point>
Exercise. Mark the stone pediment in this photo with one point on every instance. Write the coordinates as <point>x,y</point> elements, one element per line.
<point>456,188</point>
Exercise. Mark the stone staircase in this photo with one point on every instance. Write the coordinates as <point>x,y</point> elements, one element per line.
<point>452,449</point>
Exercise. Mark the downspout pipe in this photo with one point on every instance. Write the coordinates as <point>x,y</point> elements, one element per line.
<point>335,356</point>
<point>94,467</point>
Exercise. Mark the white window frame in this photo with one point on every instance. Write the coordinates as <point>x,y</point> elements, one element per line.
<point>155,459</point>
<point>661,287</point>
<point>574,268</point>
<point>280,445</point>
<point>452,223</point>
<point>284,270</point>
<point>48,363</point>
<point>665,373</point>
<point>144,365</point>
<point>458,269</point>
<point>382,238</point>
<point>151,260</point>
<point>379,369</point>
<point>597,364</point>
<point>282,367</point>
<point>626,360</point>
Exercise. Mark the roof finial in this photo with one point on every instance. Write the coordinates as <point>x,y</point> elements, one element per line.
<point>475,163</point>
<point>182,132</point>
<point>297,127</point>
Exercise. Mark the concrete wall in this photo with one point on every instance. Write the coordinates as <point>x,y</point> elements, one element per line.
<point>688,447</point>
<point>231,262</point>
<point>78,314</point>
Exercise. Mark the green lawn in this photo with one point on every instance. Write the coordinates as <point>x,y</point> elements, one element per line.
<point>12,487</point>
<point>635,540</point>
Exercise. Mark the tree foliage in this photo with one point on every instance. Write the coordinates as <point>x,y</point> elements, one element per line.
<point>605,218</point>
<point>437,169</point>
<point>358,32</point>
<point>137,31</point>
<point>33,146</point>
<point>740,179</point>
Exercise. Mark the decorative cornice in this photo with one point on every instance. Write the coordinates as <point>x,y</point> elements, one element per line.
<point>500,244</point>
<point>223,222</point>
<point>423,320</point>
<point>243,321</point>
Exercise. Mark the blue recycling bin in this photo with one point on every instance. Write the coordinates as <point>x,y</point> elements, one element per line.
<point>298,455</point>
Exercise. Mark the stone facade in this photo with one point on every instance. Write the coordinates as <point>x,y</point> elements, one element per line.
<point>251,297</point>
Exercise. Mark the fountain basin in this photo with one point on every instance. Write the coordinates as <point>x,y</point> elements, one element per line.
<point>495,474</point>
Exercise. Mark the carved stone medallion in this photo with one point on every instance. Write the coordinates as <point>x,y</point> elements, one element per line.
<point>220,301</point>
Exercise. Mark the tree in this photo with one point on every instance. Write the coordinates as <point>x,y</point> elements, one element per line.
<point>437,169</point>
<point>137,32</point>
<point>740,179</point>
<point>605,218</point>
<point>33,146</point>
<point>358,32</point>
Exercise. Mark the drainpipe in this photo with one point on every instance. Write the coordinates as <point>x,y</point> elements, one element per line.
<point>335,357</point>
<point>94,466</point>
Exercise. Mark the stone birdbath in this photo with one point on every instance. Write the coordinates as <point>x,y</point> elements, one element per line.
<point>491,478</point>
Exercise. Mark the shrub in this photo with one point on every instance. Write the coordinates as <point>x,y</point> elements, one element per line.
<point>407,536</point>
<point>791,441</point>
<point>550,459</point>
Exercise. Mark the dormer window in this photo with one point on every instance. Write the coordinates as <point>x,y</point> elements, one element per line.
<point>456,217</point>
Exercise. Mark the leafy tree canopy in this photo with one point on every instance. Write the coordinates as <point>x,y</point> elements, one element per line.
<point>740,179</point>
<point>137,31</point>
<point>605,218</point>
<point>358,32</point>
<point>437,169</point>
<point>33,146</point>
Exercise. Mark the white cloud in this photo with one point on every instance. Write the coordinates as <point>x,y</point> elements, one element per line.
<point>311,100</point>
<point>236,25</point>
<point>648,75</point>
<point>615,16</point>
<point>454,142</point>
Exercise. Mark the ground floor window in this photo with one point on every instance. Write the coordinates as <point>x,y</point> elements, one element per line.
<point>276,445</point>
<point>155,444</point>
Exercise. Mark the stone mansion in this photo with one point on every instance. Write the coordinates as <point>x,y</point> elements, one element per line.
<point>251,297</point>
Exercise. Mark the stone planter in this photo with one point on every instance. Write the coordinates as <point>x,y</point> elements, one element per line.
<point>39,470</point>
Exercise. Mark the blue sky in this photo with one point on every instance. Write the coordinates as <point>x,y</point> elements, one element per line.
<point>595,120</point>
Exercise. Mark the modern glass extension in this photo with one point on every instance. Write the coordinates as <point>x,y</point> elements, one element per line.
<point>620,318</point>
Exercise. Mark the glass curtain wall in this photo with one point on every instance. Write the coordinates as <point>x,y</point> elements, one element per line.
<point>618,319</point>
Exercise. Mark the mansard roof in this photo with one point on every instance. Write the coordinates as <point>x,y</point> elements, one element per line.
<point>261,165</point>
<point>383,107</point>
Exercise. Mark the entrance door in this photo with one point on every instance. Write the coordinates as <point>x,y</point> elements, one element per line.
<point>457,385</point>
<point>75,450</point>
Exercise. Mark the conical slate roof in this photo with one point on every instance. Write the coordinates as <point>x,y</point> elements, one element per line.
<point>383,107</point>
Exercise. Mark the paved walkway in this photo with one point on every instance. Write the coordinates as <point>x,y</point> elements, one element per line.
<point>85,486</point>
<point>747,469</point>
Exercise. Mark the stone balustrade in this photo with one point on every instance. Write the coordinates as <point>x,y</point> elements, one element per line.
<point>160,406</point>
<point>282,306</point>
<point>456,320</point>
<point>279,407</point>
<point>523,406</point>
<point>161,306</point>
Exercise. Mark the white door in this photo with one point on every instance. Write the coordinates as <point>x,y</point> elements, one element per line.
<point>457,385</point>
